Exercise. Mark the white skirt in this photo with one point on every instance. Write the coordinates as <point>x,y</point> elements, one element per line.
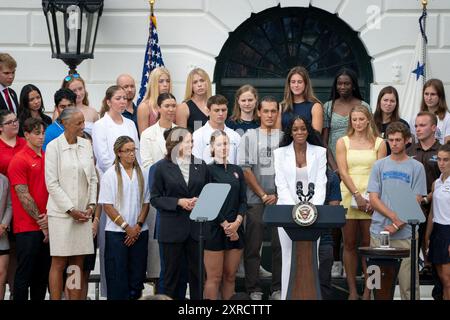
<point>69,237</point>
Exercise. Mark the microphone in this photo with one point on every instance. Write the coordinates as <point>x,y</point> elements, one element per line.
<point>310,190</point>
<point>300,190</point>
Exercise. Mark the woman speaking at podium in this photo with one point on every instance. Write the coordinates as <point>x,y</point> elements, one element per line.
<point>301,158</point>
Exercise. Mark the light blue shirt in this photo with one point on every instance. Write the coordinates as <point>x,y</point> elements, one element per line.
<point>410,172</point>
<point>52,132</point>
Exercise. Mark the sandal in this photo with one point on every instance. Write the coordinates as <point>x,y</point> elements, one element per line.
<point>426,271</point>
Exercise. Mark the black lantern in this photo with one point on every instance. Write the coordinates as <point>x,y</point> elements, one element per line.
<point>72,27</point>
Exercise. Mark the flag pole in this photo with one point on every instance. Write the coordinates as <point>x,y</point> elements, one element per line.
<point>152,57</point>
<point>424,38</point>
<point>152,2</point>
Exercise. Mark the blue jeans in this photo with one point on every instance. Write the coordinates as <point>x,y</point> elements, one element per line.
<point>125,267</point>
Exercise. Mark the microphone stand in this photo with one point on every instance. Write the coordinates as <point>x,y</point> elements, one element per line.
<point>413,224</point>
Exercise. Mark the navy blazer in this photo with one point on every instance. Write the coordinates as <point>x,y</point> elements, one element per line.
<point>169,186</point>
<point>13,96</point>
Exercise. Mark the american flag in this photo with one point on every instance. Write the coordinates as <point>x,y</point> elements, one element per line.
<point>419,71</point>
<point>152,58</point>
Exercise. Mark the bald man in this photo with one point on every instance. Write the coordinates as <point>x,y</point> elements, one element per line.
<point>127,82</point>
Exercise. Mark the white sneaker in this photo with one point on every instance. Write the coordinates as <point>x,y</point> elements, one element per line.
<point>276,295</point>
<point>336,269</point>
<point>263,273</point>
<point>256,295</point>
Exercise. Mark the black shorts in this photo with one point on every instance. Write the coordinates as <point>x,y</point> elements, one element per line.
<point>216,240</point>
<point>4,252</point>
<point>439,242</point>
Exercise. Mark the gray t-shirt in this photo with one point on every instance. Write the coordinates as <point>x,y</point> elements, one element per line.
<point>256,153</point>
<point>409,172</point>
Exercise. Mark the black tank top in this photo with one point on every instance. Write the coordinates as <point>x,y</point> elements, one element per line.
<point>196,118</point>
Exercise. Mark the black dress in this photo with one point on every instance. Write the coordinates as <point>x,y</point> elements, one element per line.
<point>196,116</point>
<point>235,203</point>
<point>241,126</point>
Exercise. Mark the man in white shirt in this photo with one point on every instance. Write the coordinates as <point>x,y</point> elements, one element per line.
<point>218,111</point>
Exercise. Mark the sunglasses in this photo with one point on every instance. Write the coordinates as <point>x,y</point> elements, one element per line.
<point>71,77</point>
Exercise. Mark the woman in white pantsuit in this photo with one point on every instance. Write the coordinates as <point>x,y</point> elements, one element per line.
<point>72,186</point>
<point>300,158</point>
<point>153,149</point>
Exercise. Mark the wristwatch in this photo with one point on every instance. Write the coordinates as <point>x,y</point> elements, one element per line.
<point>424,200</point>
<point>140,224</point>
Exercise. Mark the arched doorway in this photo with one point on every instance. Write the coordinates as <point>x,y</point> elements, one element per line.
<point>263,49</point>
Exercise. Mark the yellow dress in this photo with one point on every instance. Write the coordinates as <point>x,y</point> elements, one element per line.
<point>359,163</point>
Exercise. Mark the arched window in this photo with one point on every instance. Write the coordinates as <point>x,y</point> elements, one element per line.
<point>263,49</point>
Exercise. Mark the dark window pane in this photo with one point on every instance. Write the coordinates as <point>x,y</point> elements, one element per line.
<point>270,43</point>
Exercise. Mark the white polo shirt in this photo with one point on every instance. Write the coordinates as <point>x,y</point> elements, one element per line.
<point>129,206</point>
<point>443,128</point>
<point>441,201</point>
<point>202,137</point>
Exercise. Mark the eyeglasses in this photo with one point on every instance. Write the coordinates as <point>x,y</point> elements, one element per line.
<point>71,76</point>
<point>128,151</point>
<point>15,121</point>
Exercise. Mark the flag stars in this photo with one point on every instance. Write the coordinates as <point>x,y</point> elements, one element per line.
<point>152,59</point>
<point>419,71</point>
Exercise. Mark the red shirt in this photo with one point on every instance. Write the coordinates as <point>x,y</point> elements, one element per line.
<point>27,168</point>
<point>7,153</point>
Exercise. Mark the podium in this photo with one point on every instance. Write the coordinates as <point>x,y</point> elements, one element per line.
<point>304,276</point>
<point>388,261</point>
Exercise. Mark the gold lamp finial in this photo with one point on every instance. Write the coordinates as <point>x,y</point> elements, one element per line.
<point>152,2</point>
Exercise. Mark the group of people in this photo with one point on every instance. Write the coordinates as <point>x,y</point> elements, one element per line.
<point>126,179</point>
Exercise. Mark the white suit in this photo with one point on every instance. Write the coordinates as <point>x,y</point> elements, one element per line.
<point>285,181</point>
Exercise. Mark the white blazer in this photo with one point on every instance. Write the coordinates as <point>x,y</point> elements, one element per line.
<point>285,181</point>
<point>105,134</point>
<point>285,173</point>
<point>65,189</point>
<point>153,145</point>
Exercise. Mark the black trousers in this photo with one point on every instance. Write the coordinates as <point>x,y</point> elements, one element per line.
<point>325,265</point>
<point>173,263</point>
<point>33,266</point>
<point>254,234</point>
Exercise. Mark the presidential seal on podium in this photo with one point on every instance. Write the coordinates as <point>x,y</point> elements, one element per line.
<point>304,213</point>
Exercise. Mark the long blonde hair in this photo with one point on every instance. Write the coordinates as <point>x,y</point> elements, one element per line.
<point>308,94</point>
<point>120,142</point>
<point>152,92</point>
<point>202,73</point>
<point>371,130</point>
<point>71,78</point>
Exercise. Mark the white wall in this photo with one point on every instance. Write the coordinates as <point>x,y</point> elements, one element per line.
<point>192,33</point>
